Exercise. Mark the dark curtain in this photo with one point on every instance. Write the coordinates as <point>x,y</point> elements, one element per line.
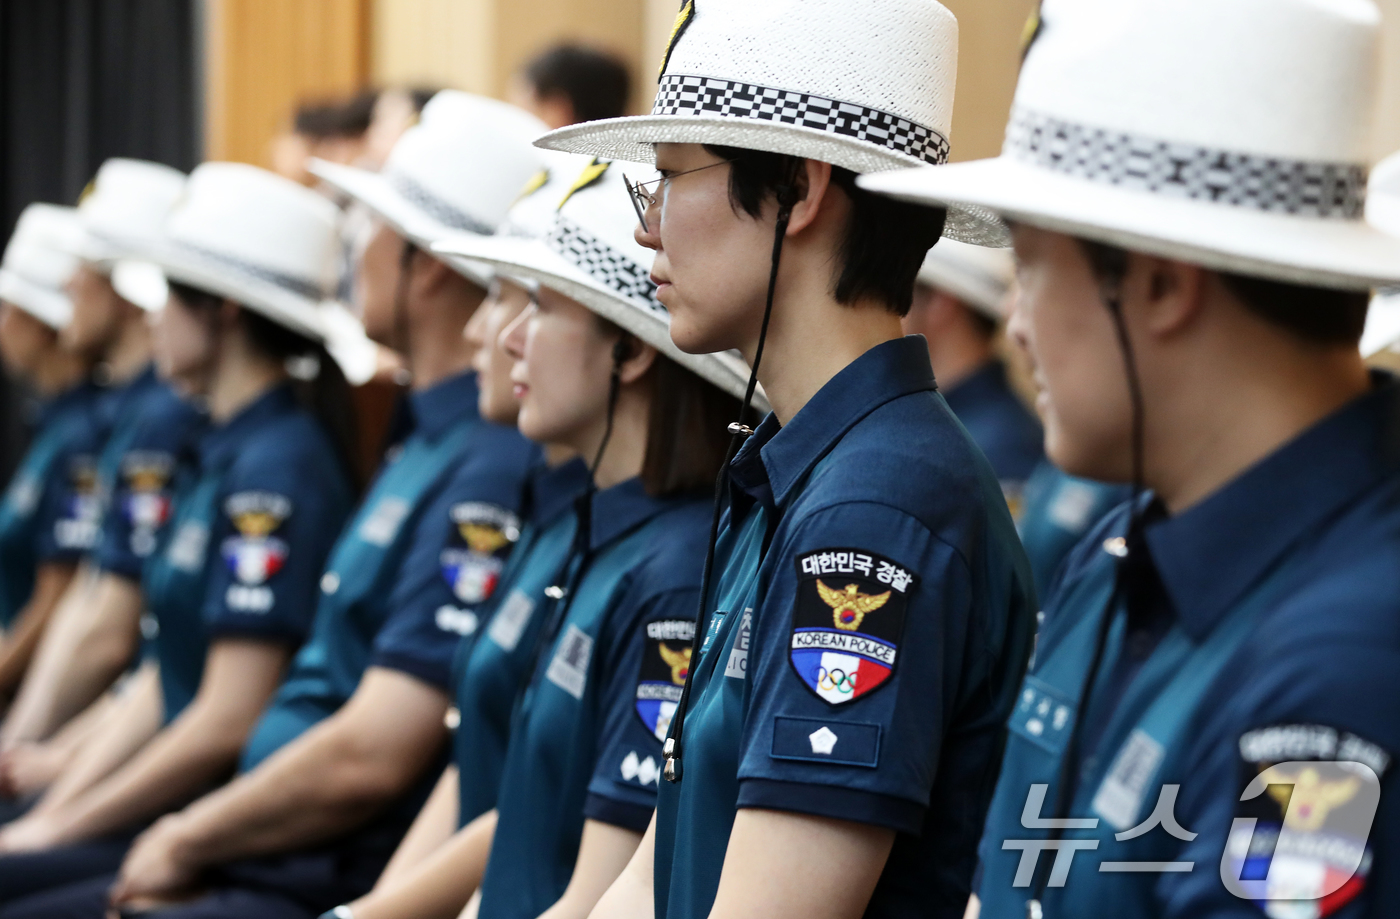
<point>82,81</point>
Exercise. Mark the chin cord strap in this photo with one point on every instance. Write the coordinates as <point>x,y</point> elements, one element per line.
<point>739,431</point>
<point>1119,547</point>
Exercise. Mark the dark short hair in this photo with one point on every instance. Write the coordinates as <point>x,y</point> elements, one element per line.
<point>885,241</point>
<point>1317,315</point>
<point>336,119</point>
<point>595,83</point>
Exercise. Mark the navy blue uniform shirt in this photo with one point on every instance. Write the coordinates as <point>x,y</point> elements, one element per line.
<point>49,512</point>
<point>489,671</point>
<point>1057,509</point>
<point>870,622</point>
<point>1289,573</point>
<point>585,740</point>
<point>1001,425</point>
<point>252,525</point>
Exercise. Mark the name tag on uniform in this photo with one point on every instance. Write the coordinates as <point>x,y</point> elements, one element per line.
<point>1119,798</point>
<point>738,664</point>
<point>1044,715</point>
<point>187,548</point>
<point>569,668</point>
<point>24,495</point>
<point>382,524</point>
<point>509,622</point>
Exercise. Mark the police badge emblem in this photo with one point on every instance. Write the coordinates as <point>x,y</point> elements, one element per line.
<point>146,502</point>
<point>665,665</point>
<point>481,538</point>
<point>254,555</point>
<point>847,619</point>
<point>77,528</point>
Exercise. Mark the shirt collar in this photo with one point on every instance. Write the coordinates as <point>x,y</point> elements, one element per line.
<point>1211,554</point>
<point>622,508</point>
<point>985,384</point>
<point>777,457</point>
<point>554,488</point>
<point>223,442</point>
<point>68,400</point>
<point>444,404</point>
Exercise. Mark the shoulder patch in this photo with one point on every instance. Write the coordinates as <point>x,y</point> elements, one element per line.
<point>665,665</point>
<point>77,528</point>
<point>254,554</point>
<point>477,546</point>
<point>847,620</point>
<point>146,504</point>
<point>1309,793</point>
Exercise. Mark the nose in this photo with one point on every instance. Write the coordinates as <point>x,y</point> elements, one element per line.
<point>512,337</point>
<point>645,235</point>
<point>1016,325</point>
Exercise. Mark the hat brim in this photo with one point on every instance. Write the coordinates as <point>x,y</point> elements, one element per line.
<point>1382,325</point>
<point>1346,254</point>
<point>140,282</point>
<point>296,312</point>
<point>406,219</point>
<point>50,307</point>
<point>534,260</point>
<point>633,139</point>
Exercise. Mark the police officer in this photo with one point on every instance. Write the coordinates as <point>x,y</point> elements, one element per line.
<point>146,425</point>
<point>338,764</point>
<point>1210,719</point>
<point>870,610</point>
<point>960,301</point>
<point>232,584</point>
<point>48,509</point>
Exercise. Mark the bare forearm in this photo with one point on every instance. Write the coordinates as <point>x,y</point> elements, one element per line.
<point>17,649</point>
<point>135,718</point>
<point>90,640</point>
<point>631,895</point>
<point>439,886</point>
<point>434,825</point>
<point>603,855</point>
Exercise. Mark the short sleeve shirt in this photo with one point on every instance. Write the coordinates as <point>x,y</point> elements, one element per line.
<point>251,530</point>
<point>1303,709</point>
<point>870,622</point>
<point>48,513</point>
<point>586,737</point>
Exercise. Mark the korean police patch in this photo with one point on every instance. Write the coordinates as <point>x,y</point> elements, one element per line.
<point>146,476</point>
<point>665,665</point>
<point>254,554</point>
<point>477,546</point>
<point>1298,844</point>
<point>847,620</point>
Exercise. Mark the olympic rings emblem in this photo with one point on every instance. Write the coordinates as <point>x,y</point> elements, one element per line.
<point>836,680</point>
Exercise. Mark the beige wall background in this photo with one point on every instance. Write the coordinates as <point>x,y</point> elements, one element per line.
<point>265,55</point>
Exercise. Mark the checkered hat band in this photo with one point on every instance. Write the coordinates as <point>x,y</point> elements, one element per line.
<point>436,207</point>
<point>1307,189</point>
<point>290,283</point>
<point>604,264</point>
<point>687,95</point>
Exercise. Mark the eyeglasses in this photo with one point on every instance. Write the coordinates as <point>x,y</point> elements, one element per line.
<point>644,194</point>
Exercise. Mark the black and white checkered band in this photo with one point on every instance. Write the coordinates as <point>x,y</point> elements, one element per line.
<point>440,210</point>
<point>679,94</point>
<point>1309,189</point>
<point>290,283</point>
<point>603,263</point>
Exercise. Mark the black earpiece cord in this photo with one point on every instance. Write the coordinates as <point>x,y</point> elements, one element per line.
<point>787,200</point>
<point>1065,781</point>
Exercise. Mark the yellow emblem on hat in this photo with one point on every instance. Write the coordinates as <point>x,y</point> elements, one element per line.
<point>1031,31</point>
<point>678,661</point>
<point>537,181</point>
<point>687,13</point>
<point>482,537</point>
<point>849,606</point>
<point>591,173</point>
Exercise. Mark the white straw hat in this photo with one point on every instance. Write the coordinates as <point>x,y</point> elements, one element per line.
<point>1227,133</point>
<point>458,170</point>
<point>268,244</point>
<point>39,261</point>
<point>1383,211</point>
<point>978,276</point>
<point>125,208</point>
<point>589,254</point>
<point>866,86</point>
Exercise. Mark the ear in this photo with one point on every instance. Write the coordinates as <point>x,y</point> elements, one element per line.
<point>226,317</point>
<point>429,274</point>
<point>639,360</point>
<point>1171,292</point>
<point>813,182</point>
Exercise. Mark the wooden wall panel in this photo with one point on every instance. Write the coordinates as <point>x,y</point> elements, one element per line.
<point>263,56</point>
